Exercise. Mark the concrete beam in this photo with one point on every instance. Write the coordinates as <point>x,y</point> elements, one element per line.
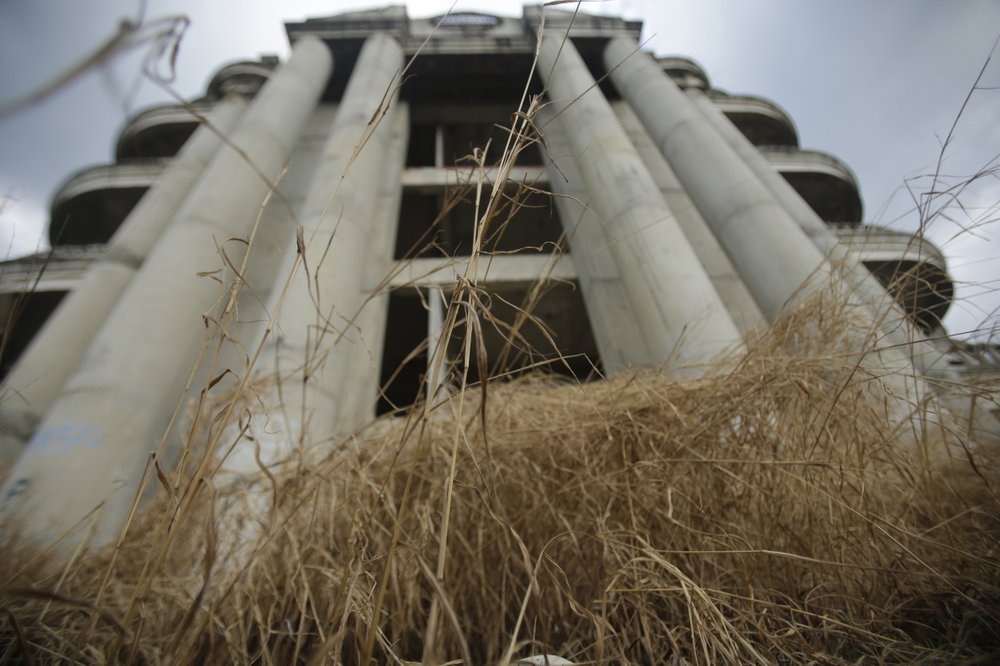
<point>520,268</point>
<point>437,177</point>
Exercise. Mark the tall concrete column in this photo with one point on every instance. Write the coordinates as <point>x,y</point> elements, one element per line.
<point>895,328</point>
<point>619,342</point>
<point>770,252</point>
<point>55,352</point>
<point>678,311</point>
<point>366,366</point>
<point>737,299</point>
<point>318,331</point>
<point>92,447</point>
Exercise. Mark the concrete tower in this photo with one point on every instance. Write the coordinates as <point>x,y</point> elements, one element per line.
<point>645,216</point>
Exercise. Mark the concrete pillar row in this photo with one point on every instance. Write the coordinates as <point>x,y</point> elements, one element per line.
<point>737,299</point>
<point>866,287</point>
<point>774,256</point>
<point>55,352</point>
<point>316,336</point>
<point>677,310</point>
<point>770,252</point>
<point>91,449</point>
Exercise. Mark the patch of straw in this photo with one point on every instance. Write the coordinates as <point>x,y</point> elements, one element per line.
<point>763,513</point>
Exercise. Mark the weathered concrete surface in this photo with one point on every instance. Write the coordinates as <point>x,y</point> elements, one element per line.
<point>316,338</point>
<point>866,288</point>
<point>734,294</point>
<point>55,352</point>
<point>91,449</point>
<point>674,305</point>
<point>775,258</point>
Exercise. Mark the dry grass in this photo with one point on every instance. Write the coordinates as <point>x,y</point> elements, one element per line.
<point>764,513</point>
<point>771,511</point>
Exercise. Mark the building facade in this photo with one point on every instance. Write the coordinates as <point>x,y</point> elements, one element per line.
<point>322,214</point>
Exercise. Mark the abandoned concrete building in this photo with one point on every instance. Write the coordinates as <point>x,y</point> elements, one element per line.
<point>641,215</point>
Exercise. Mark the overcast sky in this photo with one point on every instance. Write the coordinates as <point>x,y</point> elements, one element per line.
<point>877,84</point>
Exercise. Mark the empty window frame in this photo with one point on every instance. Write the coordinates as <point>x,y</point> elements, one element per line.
<point>442,222</point>
<point>526,327</point>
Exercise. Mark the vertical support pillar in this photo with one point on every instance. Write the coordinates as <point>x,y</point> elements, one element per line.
<point>91,449</point>
<point>367,366</point>
<point>619,342</point>
<point>55,352</point>
<point>770,252</point>
<point>736,297</point>
<point>435,327</point>
<point>318,333</point>
<point>675,306</point>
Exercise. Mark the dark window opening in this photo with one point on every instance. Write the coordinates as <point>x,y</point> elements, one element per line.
<point>441,224</point>
<point>158,142</point>
<point>763,130</point>
<point>460,143</point>
<point>421,150</point>
<point>463,140</point>
<point>92,217</point>
<point>832,198</point>
<point>556,339</point>
<point>923,291</point>
<point>23,316</point>
<point>404,355</point>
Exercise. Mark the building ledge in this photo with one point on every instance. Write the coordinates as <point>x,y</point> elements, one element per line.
<point>508,268</point>
<point>57,270</point>
<point>826,183</point>
<point>761,121</point>
<point>427,178</point>
<point>93,202</point>
<point>912,268</point>
<point>685,72</point>
<point>159,131</point>
<point>244,77</point>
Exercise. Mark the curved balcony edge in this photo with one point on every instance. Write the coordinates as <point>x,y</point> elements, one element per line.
<point>160,116</point>
<point>58,269</point>
<point>107,176</point>
<point>826,183</point>
<point>782,129</point>
<point>114,188</point>
<point>685,72</point>
<point>787,159</point>
<point>911,267</point>
<point>244,77</point>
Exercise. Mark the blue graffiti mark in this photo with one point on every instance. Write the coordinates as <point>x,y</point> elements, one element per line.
<point>17,489</point>
<point>65,438</point>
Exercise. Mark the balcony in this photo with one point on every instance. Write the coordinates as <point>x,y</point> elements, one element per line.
<point>911,268</point>
<point>244,77</point>
<point>761,121</point>
<point>58,270</point>
<point>685,72</point>
<point>826,183</point>
<point>159,131</point>
<point>92,203</point>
